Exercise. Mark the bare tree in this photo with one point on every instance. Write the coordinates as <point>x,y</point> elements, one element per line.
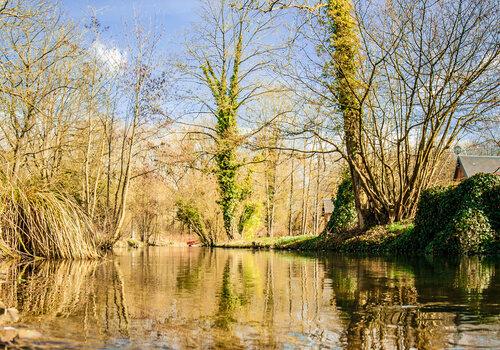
<point>37,78</point>
<point>405,80</point>
<point>144,85</point>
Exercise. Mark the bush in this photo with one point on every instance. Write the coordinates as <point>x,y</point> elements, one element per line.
<point>133,243</point>
<point>190,216</point>
<point>344,210</point>
<point>249,220</point>
<point>458,220</point>
<point>492,207</point>
<point>434,207</point>
<point>468,233</point>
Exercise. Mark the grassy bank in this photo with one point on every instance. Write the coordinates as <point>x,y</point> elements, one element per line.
<point>284,242</point>
<point>461,219</point>
<point>378,240</point>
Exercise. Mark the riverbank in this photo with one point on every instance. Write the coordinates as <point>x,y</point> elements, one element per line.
<point>377,240</point>
<point>461,219</point>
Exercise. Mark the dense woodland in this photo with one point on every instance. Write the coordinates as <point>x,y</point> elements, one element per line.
<point>271,106</point>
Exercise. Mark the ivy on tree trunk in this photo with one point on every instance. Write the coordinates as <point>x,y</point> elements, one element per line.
<point>344,66</point>
<point>226,94</point>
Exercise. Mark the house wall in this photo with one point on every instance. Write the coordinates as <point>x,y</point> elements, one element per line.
<point>459,173</point>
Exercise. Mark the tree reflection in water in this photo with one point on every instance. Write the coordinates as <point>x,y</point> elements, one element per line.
<point>236,299</point>
<point>46,292</point>
<point>228,301</point>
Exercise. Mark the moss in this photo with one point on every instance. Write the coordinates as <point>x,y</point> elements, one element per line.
<point>400,227</point>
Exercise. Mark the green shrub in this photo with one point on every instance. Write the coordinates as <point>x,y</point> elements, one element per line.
<point>457,220</point>
<point>249,220</point>
<point>474,191</point>
<point>492,207</point>
<point>435,207</point>
<point>133,243</point>
<point>189,215</point>
<point>344,211</point>
<point>468,233</point>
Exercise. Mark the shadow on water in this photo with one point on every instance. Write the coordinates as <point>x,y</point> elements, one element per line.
<point>239,298</point>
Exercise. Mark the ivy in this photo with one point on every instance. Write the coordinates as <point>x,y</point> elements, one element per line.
<point>249,220</point>
<point>458,220</point>
<point>225,96</point>
<point>344,211</point>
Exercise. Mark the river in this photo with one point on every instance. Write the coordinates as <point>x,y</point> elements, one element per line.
<point>228,298</point>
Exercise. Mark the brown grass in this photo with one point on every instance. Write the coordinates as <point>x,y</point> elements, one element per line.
<point>37,222</point>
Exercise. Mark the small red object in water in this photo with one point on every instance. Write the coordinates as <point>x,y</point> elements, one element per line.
<point>191,242</point>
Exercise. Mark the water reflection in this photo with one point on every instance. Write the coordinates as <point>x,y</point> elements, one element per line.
<point>68,294</point>
<point>205,298</point>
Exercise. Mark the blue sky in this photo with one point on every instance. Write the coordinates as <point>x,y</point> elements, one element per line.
<point>174,16</point>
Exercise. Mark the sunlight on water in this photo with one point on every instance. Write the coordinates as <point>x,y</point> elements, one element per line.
<point>181,298</point>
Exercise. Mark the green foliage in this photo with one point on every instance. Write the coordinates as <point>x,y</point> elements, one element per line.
<point>228,187</point>
<point>133,243</point>
<point>492,207</point>
<point>249,220</point>
<point>457,220</point>
<point>468,233</point>
<point>302,242</point>
<point>225,92</point>
<point>399,227</point>
<point>344,212</point>
<point>434,208</point>
<point>376,240</point>
<point>344,40</point>
<point>189,215</point>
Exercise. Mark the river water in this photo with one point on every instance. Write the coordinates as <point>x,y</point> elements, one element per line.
<point>200,298</point>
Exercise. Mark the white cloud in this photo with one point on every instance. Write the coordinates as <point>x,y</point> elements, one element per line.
<point>113,57</point>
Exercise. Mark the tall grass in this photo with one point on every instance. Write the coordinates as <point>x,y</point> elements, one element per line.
<point>37,222</point>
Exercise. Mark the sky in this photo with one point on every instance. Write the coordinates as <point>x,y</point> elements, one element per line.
<point>173,16</point>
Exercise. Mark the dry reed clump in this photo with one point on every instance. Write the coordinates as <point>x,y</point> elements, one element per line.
<point>40,223</point>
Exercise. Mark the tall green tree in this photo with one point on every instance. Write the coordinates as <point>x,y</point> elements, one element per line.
<point>344,67</point>
<point>230,58</point>
<point>225,91</point>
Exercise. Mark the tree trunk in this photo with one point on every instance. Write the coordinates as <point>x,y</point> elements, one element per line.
<point>290,198</point>
<point>345,42</point>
